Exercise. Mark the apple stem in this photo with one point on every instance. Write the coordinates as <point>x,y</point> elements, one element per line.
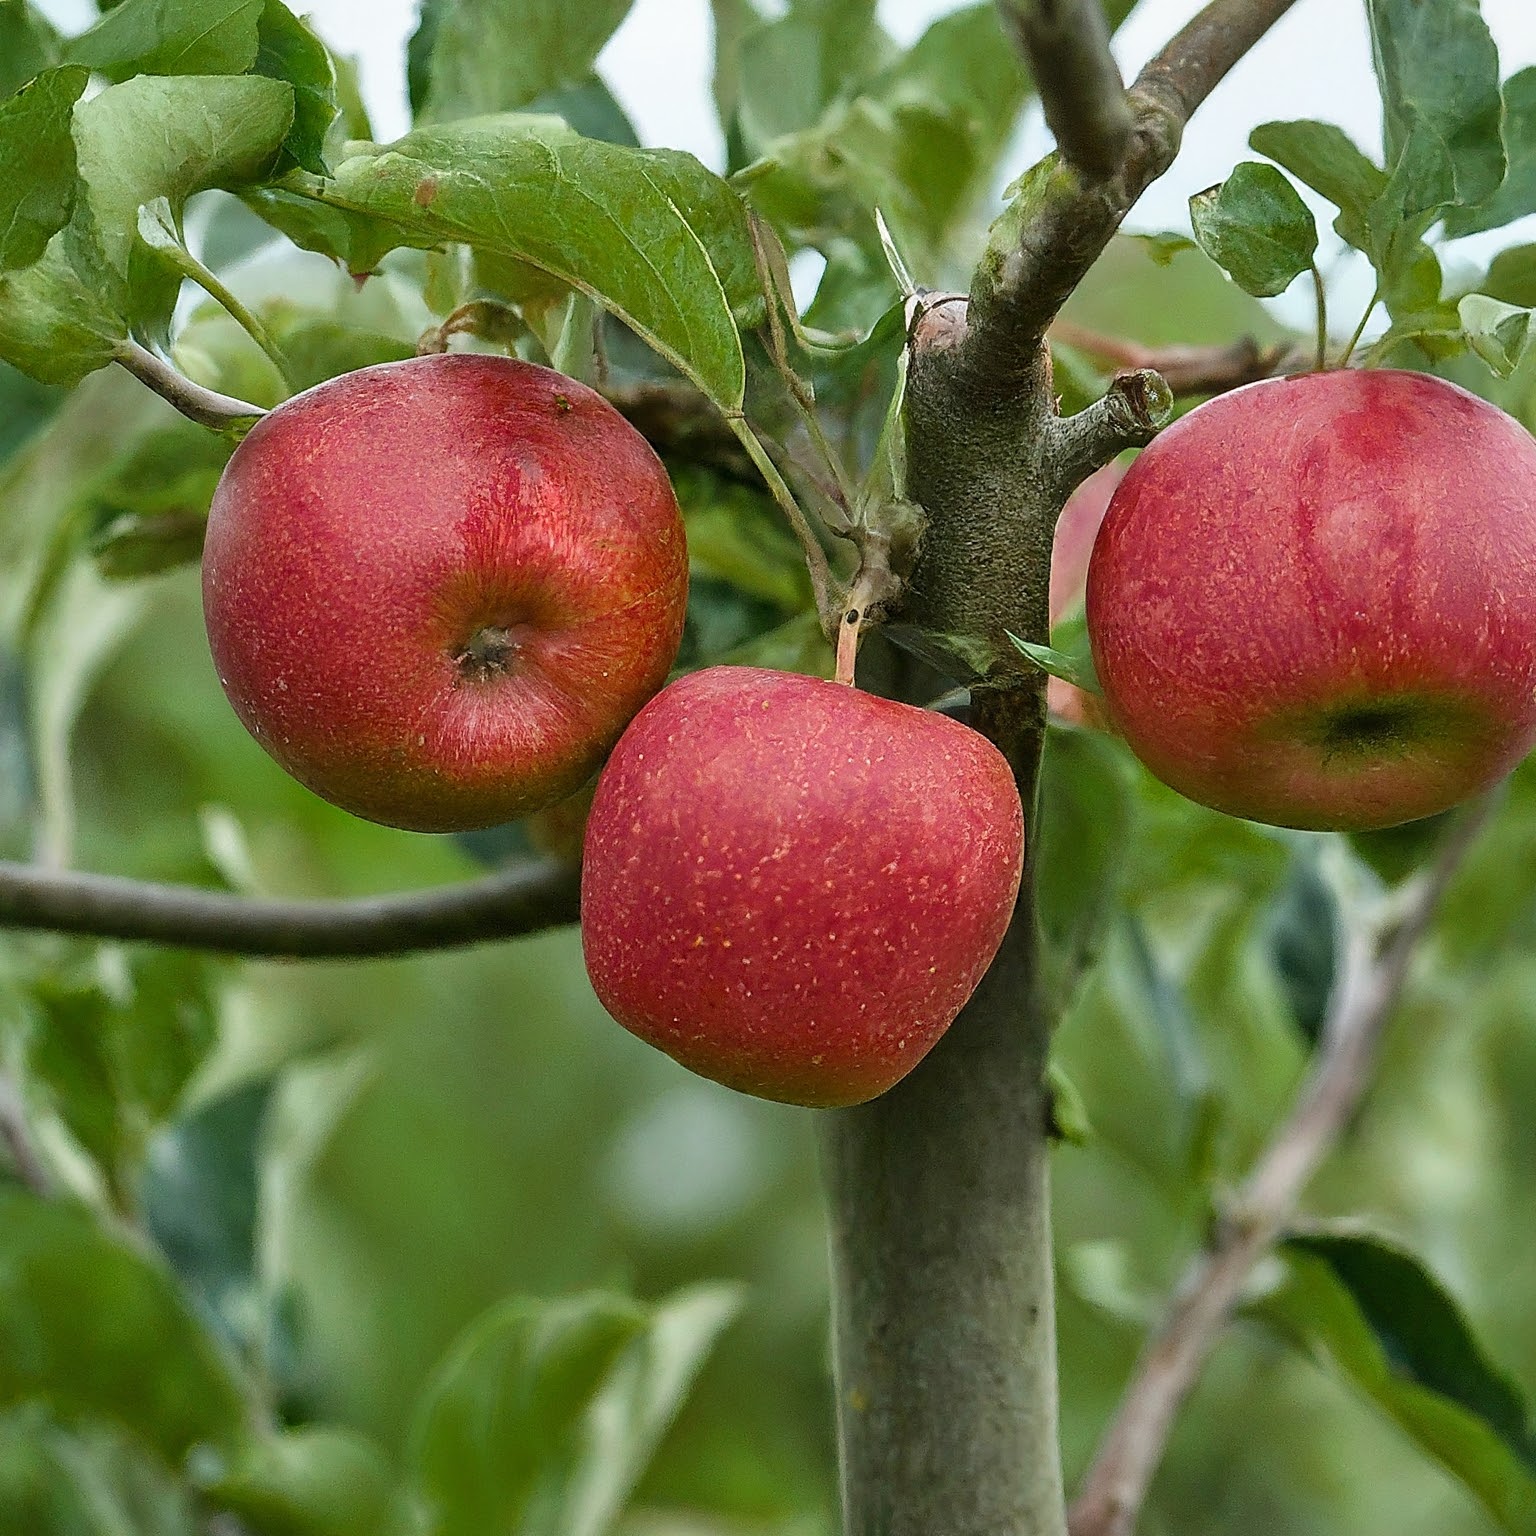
<point>221,413</point>
<point>1359,331</point>
<point>1322,319</point>
<point>847,647</point>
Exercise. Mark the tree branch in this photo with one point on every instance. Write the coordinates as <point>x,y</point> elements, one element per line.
<point>1187,370</point>
<point>1365,997</point>
<point>1128,415</point>
<point>1066,43</point>
<point>16,1133</point>
<point>526,898</point>
<point>1062,223</point>
<point>208,408</point>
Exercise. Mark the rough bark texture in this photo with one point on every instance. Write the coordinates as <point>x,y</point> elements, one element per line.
<point>944,1321</point>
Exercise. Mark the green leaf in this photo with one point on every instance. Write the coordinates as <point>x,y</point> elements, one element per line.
<point>638,1403</point>
<point>1516,196</point>
<point>116,1048</point>
<point>1088,809</point>
<point>171,37</point>
<point>94,1329</point>
<point>287,50</point>
<point>1438,70</point>
<point>169,137</point>
<point>1512,276</point>
<point>89,1480</point>
<point>25,405</point>
<point>491,56</point>
<point>199,1200</point>
<point>921,141</point>
<point>28,44</point>
<point>318,1481</point>
<point>499,1428</point>
<point>542,1418</point>
<point>150,137</point>
<point>1389,1327</point>
<point>1164,248</point>
<point>1256,227</point>
<point>650,234</point>
<point>590,109</point>
<point>37,164</point>
<point>788,71</point>
<point>1301,939</point>
<point>1497,332</point>
<point>1076,669</point>
<point>358,242</point>
<point>738,536</point>
<point>1325,158</point>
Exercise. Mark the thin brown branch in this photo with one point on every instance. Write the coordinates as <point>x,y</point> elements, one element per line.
<point>1373,974</point>
<point>16,1134</point>
<point>208,408</point>
<point>1186,370</point>
<point>1066,43</point>
<point>1064,222</point>
<point>525,898</point>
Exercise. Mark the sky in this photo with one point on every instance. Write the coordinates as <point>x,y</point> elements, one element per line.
<point>1314,63</point>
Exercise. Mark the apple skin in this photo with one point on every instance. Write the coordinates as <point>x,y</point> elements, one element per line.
<point>1313,600</point>
<point>437,590</point>
<point>791,886</point>
<point>1076,529</point>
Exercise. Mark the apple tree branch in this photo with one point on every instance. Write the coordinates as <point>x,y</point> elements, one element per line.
<point>1366,995</point>
<point>524,898</point>
<point>1068,219</point>
<point>1066,43</point>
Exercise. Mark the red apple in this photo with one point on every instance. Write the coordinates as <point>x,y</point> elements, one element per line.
<point>1076,530</point>
<point>791,886</point>
<point>1313,600</point>
<point>438,590</point>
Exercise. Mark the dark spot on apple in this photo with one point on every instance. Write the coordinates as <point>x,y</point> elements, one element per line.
<point>1392,727</point>
<point>487,654</point>
<point>562,403</point>
<point>426,191</point>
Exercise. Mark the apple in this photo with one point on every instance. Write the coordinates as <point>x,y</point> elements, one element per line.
<point>791,886</point>
<point>1076,529</point>
<point>1313,600</point>
<point>438,590</point>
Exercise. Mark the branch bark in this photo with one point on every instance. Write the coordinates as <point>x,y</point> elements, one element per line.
<point>944,1323</point>
<point>526,898</point>
<point>1052,242</point>
<point>1365,998</point>
<point>1066,43</point>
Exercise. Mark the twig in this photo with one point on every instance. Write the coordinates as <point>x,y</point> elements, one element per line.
<point>1128,415</point>
<point>1186,370</point>
<point>1019,289</point>
<point>526,898</point>
<point>208,408</point>
<point>1371,982</point>
<point>16,1133</point>
<point>1067,45</point>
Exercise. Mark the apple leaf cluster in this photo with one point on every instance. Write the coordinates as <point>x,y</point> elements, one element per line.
<point>1458,161</point>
